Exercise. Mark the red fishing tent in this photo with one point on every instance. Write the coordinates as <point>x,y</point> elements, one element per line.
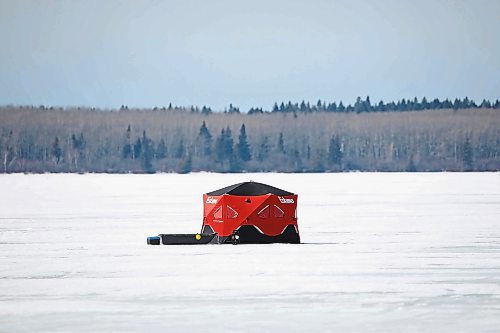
<point>251,212</point>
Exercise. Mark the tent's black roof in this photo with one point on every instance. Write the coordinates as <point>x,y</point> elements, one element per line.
<point>249,188</point>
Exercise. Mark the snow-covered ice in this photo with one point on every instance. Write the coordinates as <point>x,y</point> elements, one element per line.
<point>381,252</point>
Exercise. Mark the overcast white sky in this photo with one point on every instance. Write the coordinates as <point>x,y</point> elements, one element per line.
<point>248,53</point>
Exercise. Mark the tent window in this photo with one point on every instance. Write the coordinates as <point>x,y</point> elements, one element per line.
<point>264,212</point>
<point>218,213</point>
<point>231,213</point>
<point>277,212</point>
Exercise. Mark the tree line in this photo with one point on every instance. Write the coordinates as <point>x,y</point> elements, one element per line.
<point>365,105</point>
<point>360,105</point>
<point>179,140</point>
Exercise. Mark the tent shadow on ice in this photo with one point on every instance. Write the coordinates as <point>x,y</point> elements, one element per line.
<point>246,213</point>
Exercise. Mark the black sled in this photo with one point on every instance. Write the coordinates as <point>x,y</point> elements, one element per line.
<point>186,239</point>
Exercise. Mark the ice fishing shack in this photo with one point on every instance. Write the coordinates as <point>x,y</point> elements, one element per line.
<point>249,212</point>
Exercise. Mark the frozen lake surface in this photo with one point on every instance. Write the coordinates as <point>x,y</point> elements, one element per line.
<point>381,252</point>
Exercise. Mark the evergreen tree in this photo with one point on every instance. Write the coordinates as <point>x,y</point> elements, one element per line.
<point>303,107</point>
<point>186,164</point>
<point>466,103</point>
<point>381,106</point>
<point>341,107</point>
<point>206,110</point>
<point>161,150</point>
<point>467,154</point>
<point>78,146</point>
<point>127,151</point>
<point>332,107</point>
<point>297,162</point>
<point>335,153</point>
<point>367,105</point>
<point>282,107</point>
<point>358,106</point>
<point>485,104</point>
<point>435,104</point>
<point>391,106</point>
<point>180,149</point>
<point>415,105</point>
<point>497,104</point>
<point>219,147</point>
<point>224,146</point>
<point>228,144</point>
<point>447,104</point>
<point>263,150</point>
<point>425,104</point>
<point>56,150</point>
<point>137,149</point>
<point>233,109</point>
<point>402,106</point>
<point>147,153</point>
<point>281,143</point>
<point>255,111</point>
<point>205,139</point>
<point>234,163</point>
<point>79,142</point>
<point>243,148</point>
<point>319,105</point>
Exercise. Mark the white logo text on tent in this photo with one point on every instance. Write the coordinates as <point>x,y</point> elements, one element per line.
<point>285,201</point>
<point>211,200</point>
